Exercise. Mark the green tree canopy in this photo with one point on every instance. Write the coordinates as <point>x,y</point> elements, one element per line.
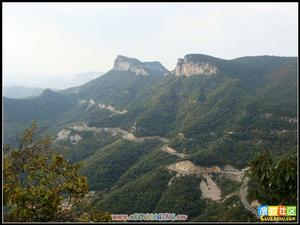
<point>40,185</point>
<point>273,182</point>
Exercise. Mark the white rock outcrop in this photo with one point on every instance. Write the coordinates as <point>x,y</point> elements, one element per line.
<point>123,63</point>
<point>188,67</point>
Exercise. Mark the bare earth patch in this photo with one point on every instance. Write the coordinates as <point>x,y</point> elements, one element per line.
<point>83,127</point>
<point>63,135</point>
<point>112,109</point>
<point>172,151</point>
<point>210,189</point>
<point>186,167</point>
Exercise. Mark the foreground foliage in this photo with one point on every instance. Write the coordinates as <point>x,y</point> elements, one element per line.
<point>273,182</point>
<point>40,185</point>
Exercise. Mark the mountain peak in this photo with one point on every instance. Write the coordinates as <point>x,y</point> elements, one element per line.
<point>123,63</point>
<point>122,58</point>
<point>49,92</point>
<point>200,57</point>
<point>196,64</point>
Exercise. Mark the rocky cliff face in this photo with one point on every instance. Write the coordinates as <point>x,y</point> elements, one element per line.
<point>123,63</point>
<point>188,66</point>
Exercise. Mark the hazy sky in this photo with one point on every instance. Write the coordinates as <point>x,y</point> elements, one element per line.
<point>44,39</point>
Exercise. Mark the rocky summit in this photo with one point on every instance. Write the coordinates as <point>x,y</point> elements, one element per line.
<point>123,63</point>
<point>190,65</point>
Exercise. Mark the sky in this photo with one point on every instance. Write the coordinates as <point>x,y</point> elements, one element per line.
<point>44,40</point>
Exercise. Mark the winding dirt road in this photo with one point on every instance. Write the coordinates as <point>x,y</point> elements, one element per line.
<point>243,195</point>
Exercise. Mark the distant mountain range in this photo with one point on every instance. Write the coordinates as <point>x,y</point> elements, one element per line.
<point>153,140</point>
<point>21,91</point>
<point>53,82</point>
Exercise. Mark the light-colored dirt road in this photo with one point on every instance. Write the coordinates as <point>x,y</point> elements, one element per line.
<point>243,195</point>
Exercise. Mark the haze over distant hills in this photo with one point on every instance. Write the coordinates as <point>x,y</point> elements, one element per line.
<point>51,81</point>
<point>21,91</point>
